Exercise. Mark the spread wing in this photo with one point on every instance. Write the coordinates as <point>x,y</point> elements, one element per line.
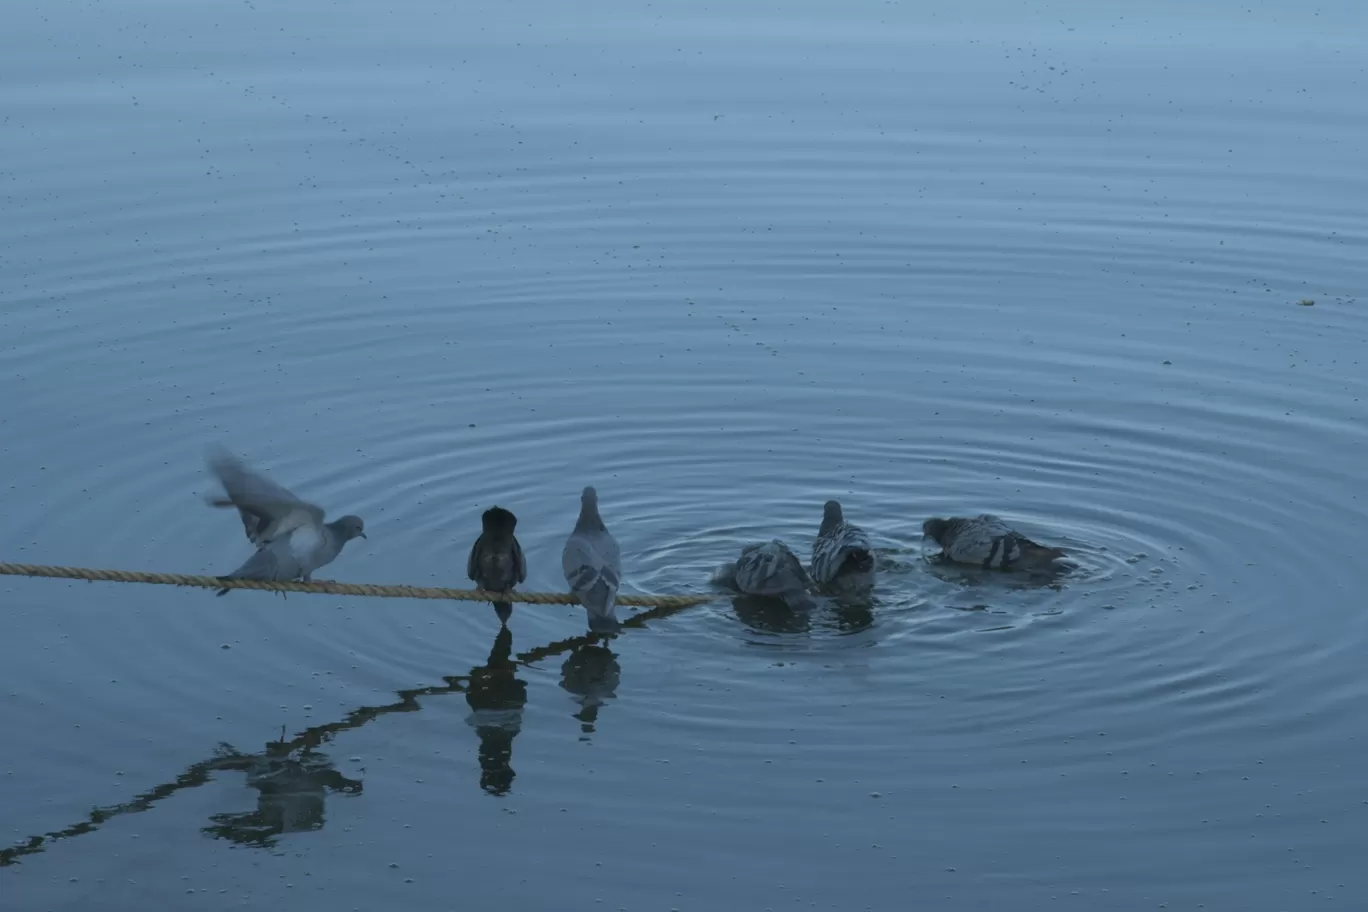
<point>267,509</point>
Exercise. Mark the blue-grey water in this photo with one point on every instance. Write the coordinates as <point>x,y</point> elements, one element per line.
<point>722,261</point>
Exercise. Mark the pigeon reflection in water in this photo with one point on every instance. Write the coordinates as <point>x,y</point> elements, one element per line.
<point>591,672</point>
<point>769,615</point>
<point>840,616</point>
<point>496,697</point>
<point>292,789</point>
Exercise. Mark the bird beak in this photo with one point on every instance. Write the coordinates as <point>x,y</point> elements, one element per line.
<point>363,535</point>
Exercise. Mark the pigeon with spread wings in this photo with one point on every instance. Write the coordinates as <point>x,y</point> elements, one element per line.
<point>291,538</point>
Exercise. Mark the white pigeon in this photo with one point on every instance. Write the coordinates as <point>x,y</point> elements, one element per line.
<point>771,570</point>
<point>841,554</point>
<point>291,538</point>
<point>592,563</point>
<point>987,541</point>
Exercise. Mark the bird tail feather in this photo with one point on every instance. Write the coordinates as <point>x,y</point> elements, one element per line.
<point>599,602</point>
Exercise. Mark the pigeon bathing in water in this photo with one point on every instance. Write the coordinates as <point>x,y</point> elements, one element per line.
<point>988,542</point>
<point>496,561</point>
<point>291,538</point>
<point>593,566</point>
<point>769,569</point>
<point>841,554</point>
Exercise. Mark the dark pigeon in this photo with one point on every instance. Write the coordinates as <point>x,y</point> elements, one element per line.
<point>496,560</point>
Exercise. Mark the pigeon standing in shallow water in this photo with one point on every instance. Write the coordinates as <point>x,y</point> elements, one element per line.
<point>291,538</point>
<point>593,566</point>
<point>989,542</point>
<point>769,569</point>
<point>841,554</point>
<point>496,561</point>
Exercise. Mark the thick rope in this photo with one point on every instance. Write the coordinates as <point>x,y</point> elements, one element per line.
<point>334,588</point>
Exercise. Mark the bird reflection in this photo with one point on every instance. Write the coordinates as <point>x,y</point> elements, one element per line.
<point>852,615</point>
<point>1052,577</point>
<point>496,696</point>
<point>846,613</point>
<point>770,615</point>
<point>591,672</point>
<point>311,768</point>
<point>291,790</point>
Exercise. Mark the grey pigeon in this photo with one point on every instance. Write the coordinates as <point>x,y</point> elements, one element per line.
<point>593,566</point>
<point>291,538</point>
<point>841,554</point>
<point>989,542</point>
<point>496,560</point>
<point>769,569</point>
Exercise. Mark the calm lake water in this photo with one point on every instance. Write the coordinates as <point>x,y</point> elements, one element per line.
<point>722,261</point>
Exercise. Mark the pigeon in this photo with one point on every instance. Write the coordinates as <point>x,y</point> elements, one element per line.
<point>496,560</point>
<point>291,538</point>
<point>769,569</point>
<point>989,542</point>
<point>841,553</point>
<point>593,566</point>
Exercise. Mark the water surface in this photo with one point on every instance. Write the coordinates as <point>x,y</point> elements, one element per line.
<point>722,262</point>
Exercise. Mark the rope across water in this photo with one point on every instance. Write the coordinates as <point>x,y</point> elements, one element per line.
<point>330,587</point>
